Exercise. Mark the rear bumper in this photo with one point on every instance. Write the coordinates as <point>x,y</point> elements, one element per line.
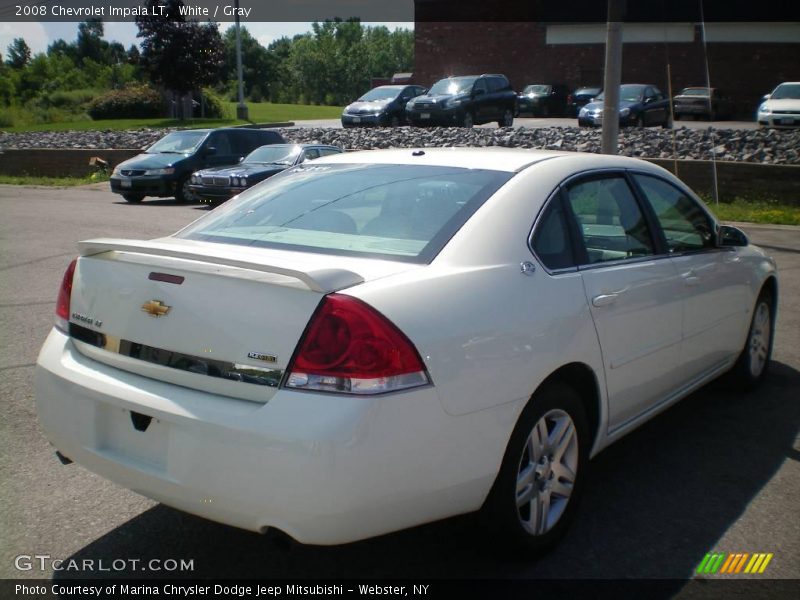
<point>324,469</point>
<point>365,120</point>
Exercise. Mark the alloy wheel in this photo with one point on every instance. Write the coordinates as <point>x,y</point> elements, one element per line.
<point>547,471</point>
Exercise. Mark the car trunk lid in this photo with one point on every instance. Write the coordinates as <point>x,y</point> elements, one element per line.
<point>214,317</point>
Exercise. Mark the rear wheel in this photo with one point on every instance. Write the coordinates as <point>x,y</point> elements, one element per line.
<point>133,198</point>
<point>535,494</point>
<point>507,120</point>
<point>753,364</point>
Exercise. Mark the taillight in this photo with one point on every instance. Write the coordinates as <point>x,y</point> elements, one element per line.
<point>64,296</point>
<point>351,348</point>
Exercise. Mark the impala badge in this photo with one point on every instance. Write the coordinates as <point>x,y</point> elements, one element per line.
<point>261,356</point>
<point>155,308</point>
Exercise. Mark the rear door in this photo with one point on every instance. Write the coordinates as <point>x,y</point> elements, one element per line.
<point>632,291</point>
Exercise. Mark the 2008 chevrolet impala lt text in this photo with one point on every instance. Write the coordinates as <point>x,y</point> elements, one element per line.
<point>377,340</point>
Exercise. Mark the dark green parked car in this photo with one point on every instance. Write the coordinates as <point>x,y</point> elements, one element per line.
<point>165,168</point>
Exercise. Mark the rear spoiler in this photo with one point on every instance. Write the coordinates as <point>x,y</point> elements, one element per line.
<point>317,280</point>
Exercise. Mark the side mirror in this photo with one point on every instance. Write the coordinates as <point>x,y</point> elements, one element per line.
<point>478,92</point>
<point>649,99</point>
<point>209,150</point>
<point>732,236</point>
<point>765,97</point>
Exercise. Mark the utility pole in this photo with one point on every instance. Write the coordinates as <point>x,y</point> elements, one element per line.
<point>241,108</point>
<point>612,77</point>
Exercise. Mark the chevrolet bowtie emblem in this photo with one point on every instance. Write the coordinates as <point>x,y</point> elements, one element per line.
<point>155,308</point>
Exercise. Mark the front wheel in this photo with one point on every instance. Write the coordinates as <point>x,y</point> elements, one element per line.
<point>182,192</point>
<point>667,124</point>
<point>467,120</point>
<point>507,120</point>
<point>753,364</point>
<point>535,494</point>
<point>133,198</point>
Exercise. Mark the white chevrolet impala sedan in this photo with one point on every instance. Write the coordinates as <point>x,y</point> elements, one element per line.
<point>381,339</point>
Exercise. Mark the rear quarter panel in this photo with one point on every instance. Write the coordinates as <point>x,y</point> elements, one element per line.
<point>488,333</point>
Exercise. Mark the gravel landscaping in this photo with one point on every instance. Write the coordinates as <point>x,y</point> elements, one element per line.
<point>761,146</point>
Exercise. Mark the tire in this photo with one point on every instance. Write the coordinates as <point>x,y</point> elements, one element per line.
<point>533,479</point>
<point>507,120</point>
<point>752,366</point>
<point>394,121</point>
<point>667,124</point>
<point>639,122</point>
<point>133,198</point>
<point>467,120</point>
<point>182,192</point>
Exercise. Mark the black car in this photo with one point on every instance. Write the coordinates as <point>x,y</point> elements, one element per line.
<point>580,98</point>
<point>543,100</point>
<point>465,101</point>
<point>164,169</point>
<point>640,105</point>
<point>218,184</point>
<point>383,106</point>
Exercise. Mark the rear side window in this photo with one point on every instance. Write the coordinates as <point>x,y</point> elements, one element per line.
<point>686,226</point>
<point>400,212</point>
<point>551,241</point>
<point>610,220</point>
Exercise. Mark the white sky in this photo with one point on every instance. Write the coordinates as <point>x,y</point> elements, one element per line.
<point>39,35</point>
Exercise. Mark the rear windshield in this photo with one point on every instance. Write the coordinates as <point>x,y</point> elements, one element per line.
<point>397,212</point>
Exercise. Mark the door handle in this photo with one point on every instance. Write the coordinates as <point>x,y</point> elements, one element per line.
<point>605,299</point>
<point>690,279</point>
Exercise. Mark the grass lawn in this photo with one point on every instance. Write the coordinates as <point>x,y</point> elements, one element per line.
<point>262,112</point>
<point>756,211</point>
<point>51,181</point>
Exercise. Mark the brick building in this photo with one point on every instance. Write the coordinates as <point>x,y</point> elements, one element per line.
<point>746,59</point>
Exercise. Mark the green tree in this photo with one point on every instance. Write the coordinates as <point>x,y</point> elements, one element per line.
<point>258,64</point>
<point>90,43</point>
<point>19,54</point>
<point>180,55</point>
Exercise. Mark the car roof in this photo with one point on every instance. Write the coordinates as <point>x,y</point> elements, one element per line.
<point>495,159</point>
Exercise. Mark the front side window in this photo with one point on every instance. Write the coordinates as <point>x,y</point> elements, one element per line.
<point>399,212</point>
<point>610,221</point>
<point>686,226</point>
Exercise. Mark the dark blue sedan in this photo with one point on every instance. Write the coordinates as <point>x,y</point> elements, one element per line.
<point>640,105</point>
<point>222,183</point>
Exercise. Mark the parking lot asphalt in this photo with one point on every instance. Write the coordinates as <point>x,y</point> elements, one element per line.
<point>539,122</point>
<point>720,471</point>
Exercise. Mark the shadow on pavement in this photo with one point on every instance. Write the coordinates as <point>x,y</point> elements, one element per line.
<point>656,502</point>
